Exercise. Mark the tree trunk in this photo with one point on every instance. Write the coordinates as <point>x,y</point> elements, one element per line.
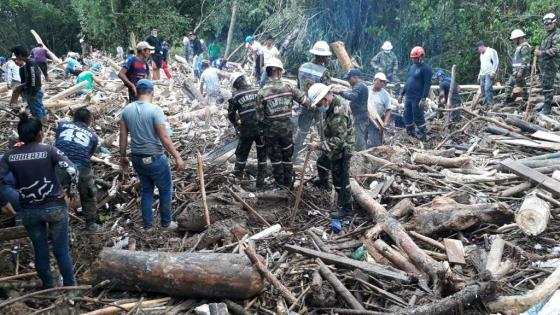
<point>231,27</point>
<point>203,275</point>
<point>12,233</point>
<point>428,159</point>
<point>69,91</point>
<point>532,218</point>
<point>342,55</point>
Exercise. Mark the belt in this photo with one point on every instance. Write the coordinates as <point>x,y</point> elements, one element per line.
<point>146,155</point>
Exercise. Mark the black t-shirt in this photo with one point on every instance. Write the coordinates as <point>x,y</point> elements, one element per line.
<point>30,75</point>
<point>33,166</point>
<point>156,42</point>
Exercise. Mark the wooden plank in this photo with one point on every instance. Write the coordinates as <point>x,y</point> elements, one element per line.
<point>371,268</point>
<point>543,135</point>
<point>539,144</point>
<point>547,183</point>
<point>455,251</point>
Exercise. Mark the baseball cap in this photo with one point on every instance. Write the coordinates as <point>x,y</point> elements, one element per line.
<point>380,76</point>
<point>144,84</point>
<point>144,45</point>
<point>352,73</point>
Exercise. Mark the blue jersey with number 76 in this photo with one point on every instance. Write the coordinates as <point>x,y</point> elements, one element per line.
<point>77,141</point>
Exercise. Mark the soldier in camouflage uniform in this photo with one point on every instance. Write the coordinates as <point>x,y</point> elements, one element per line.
<point>338,144</point>
<point>308,74</point>
<point>242,114</point>
<point>274,110</point>
<point>549,53</point>
<point>386,61</point>
<point>521,67</point>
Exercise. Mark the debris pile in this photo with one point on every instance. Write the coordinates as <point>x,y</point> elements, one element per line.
<point>467,221</point>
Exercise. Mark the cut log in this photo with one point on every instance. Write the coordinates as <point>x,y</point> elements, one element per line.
<point>393,228</point>
<point>428,159</point>
<point>534,176</point>
<point>523,125</point>
<point>396,258</point>
<point>339,286</point>
<point>533,216</point>
<point>342,55</point>
<point>373,269</point>
<point>517,189</point>
<point>203,275</point>
<point>458,217</point>
<point>69,91</point>
<point>12,233</point>
<point>427,240</point>
<point>402,208</point>
<point>519,303</point>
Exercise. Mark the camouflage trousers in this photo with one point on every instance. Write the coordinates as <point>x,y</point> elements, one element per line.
<point>548,73</point>
<point>517,79</point>
<point>242,152</point>
<point>340,170</point>
<point>280,148</point>
<point>86,188</point>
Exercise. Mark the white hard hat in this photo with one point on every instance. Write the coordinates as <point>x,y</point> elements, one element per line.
<point>274,62</point>
<point>387,46</point>
<point>235,76</point>
<point>517,33</point>
<point>317,92</point>
<point>321,48</point>
<point>549,18</point>
<point>380,76</point>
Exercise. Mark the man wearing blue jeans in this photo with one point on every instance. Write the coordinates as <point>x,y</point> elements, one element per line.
<point>488,67</point>
<point>146,124</point>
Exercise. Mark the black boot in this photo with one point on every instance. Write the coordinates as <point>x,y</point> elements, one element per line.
<point>546,109</point>
<point>422,134</point>
<point>411,131</point>
<point>506,101</point>
<point>259,185</point>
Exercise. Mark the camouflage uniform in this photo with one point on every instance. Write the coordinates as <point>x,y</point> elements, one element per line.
<point>308,74</point>
<point>337,151</point>
<point>521,69</point>
<point>550,62</point>
<point>389,65</point>
<point>274,110</point>
<point>242,114</point>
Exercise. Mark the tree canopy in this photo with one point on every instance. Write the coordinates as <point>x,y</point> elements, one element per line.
<point>446,29</point>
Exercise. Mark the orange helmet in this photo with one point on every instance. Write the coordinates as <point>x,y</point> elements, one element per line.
<point>417,52</point>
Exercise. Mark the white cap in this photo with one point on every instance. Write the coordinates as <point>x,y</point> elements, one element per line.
<point>321,48</point>
<point>317,92</point>
<point>274,62</point>
<point>380,76</point>
<point>234,77</point>
<point>516,34</point>
<point>144,45</point>
<point>387,46</point>
<point>81,40</point>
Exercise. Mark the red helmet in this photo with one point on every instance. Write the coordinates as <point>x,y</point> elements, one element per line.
<point>417,52</point>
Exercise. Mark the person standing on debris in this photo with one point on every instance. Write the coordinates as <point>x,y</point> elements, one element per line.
<point>120,53</point>
<point>521,67</point>
<point>43,210</point>
<point>40,55</point>
<point>187,50</point>
<point>145,122</point>
<point>549,52</point>
<point>164,58</point>
<point>268,53</point>
<point>30,86</point>
<point>444,82</point>
<point>358,98</point>
<point>242,114</point>
<point>387,62</point>
<point>78,141</point>
<point>197,55</point>
<point>309,73</point>
<point>13,79</point>
<point>416,90</point>
<point>337,147</point>
<point>274,110</point>
<point>488,68</point>
<point>135,69</point>
<point>381,110</point>
<point>210,79</point>
<point>255,48</point>
<point>156,56</point>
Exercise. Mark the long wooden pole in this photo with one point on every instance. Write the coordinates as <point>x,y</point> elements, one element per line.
<point>450,97</point>
<point>533,74</point>
<point>301,181</point>
<point>231,27</point>
<point>202,187</point>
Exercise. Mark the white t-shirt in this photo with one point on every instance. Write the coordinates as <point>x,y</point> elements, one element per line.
<point>381,100</point>
<point>269,53</point>
<point>489,62</point>
<point>211,81</point>
<point>256,47</point>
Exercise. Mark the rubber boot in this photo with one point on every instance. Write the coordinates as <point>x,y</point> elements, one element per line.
<point>422,134</point>
<point>259,185</point>
<point>546,109</point>
<point>323,180</point>
<point>411,131</point>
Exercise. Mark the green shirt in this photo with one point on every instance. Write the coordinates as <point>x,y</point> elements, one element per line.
<point>86,76</point>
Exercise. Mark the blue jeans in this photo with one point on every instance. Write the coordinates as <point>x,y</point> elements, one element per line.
<point>486,89</point>
<point>42,223</point>
<point>155,173</point>
<point>413,114</point>
<point>36,105</point>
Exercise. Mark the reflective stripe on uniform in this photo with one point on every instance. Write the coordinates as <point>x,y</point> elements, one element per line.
<point>247,111</point>
<point>286,148</point>
<point>269,97</point>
